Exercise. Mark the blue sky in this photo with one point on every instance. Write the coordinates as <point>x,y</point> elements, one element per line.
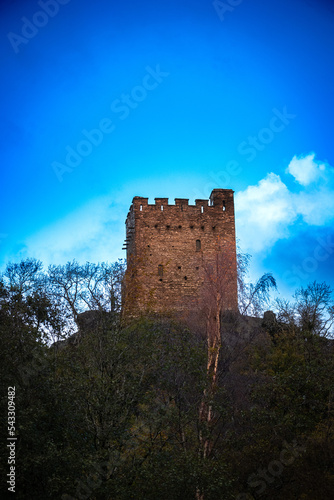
<point>103,101</point>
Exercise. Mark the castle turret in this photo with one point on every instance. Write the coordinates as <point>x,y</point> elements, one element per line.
<point>172,249</point>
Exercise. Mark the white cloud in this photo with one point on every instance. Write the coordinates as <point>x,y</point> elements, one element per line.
<point>316,207</point>
<point>305,169</point>
<point>267,212</point>
<point>264,213</point>
<point>92,233</point>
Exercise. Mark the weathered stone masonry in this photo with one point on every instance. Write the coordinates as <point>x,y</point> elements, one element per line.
<point>170,248</point>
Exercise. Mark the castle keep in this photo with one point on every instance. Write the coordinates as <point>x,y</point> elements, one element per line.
<point>173,250</point>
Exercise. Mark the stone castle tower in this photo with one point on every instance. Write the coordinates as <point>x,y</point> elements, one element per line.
<point>173,250</point>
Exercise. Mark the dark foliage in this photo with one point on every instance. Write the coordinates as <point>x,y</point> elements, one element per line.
<point>112,412</point>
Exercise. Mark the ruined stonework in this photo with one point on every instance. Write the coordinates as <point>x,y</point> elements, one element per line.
<point>173,251</point>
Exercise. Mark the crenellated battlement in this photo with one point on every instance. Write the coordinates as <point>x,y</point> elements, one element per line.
<point>219,199</point>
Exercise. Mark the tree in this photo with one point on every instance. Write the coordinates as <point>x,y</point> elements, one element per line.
<point>24,277</point>
<point>292,402</point>
<point>138,390</point>
<point>315,308</point>
<point>86,287</point>
<point>102,285</point>
<point>252,297</point>
<point>215,301</point>
<point>26,319</point>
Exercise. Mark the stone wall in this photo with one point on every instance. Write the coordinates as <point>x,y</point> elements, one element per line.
<point>172,251</point>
